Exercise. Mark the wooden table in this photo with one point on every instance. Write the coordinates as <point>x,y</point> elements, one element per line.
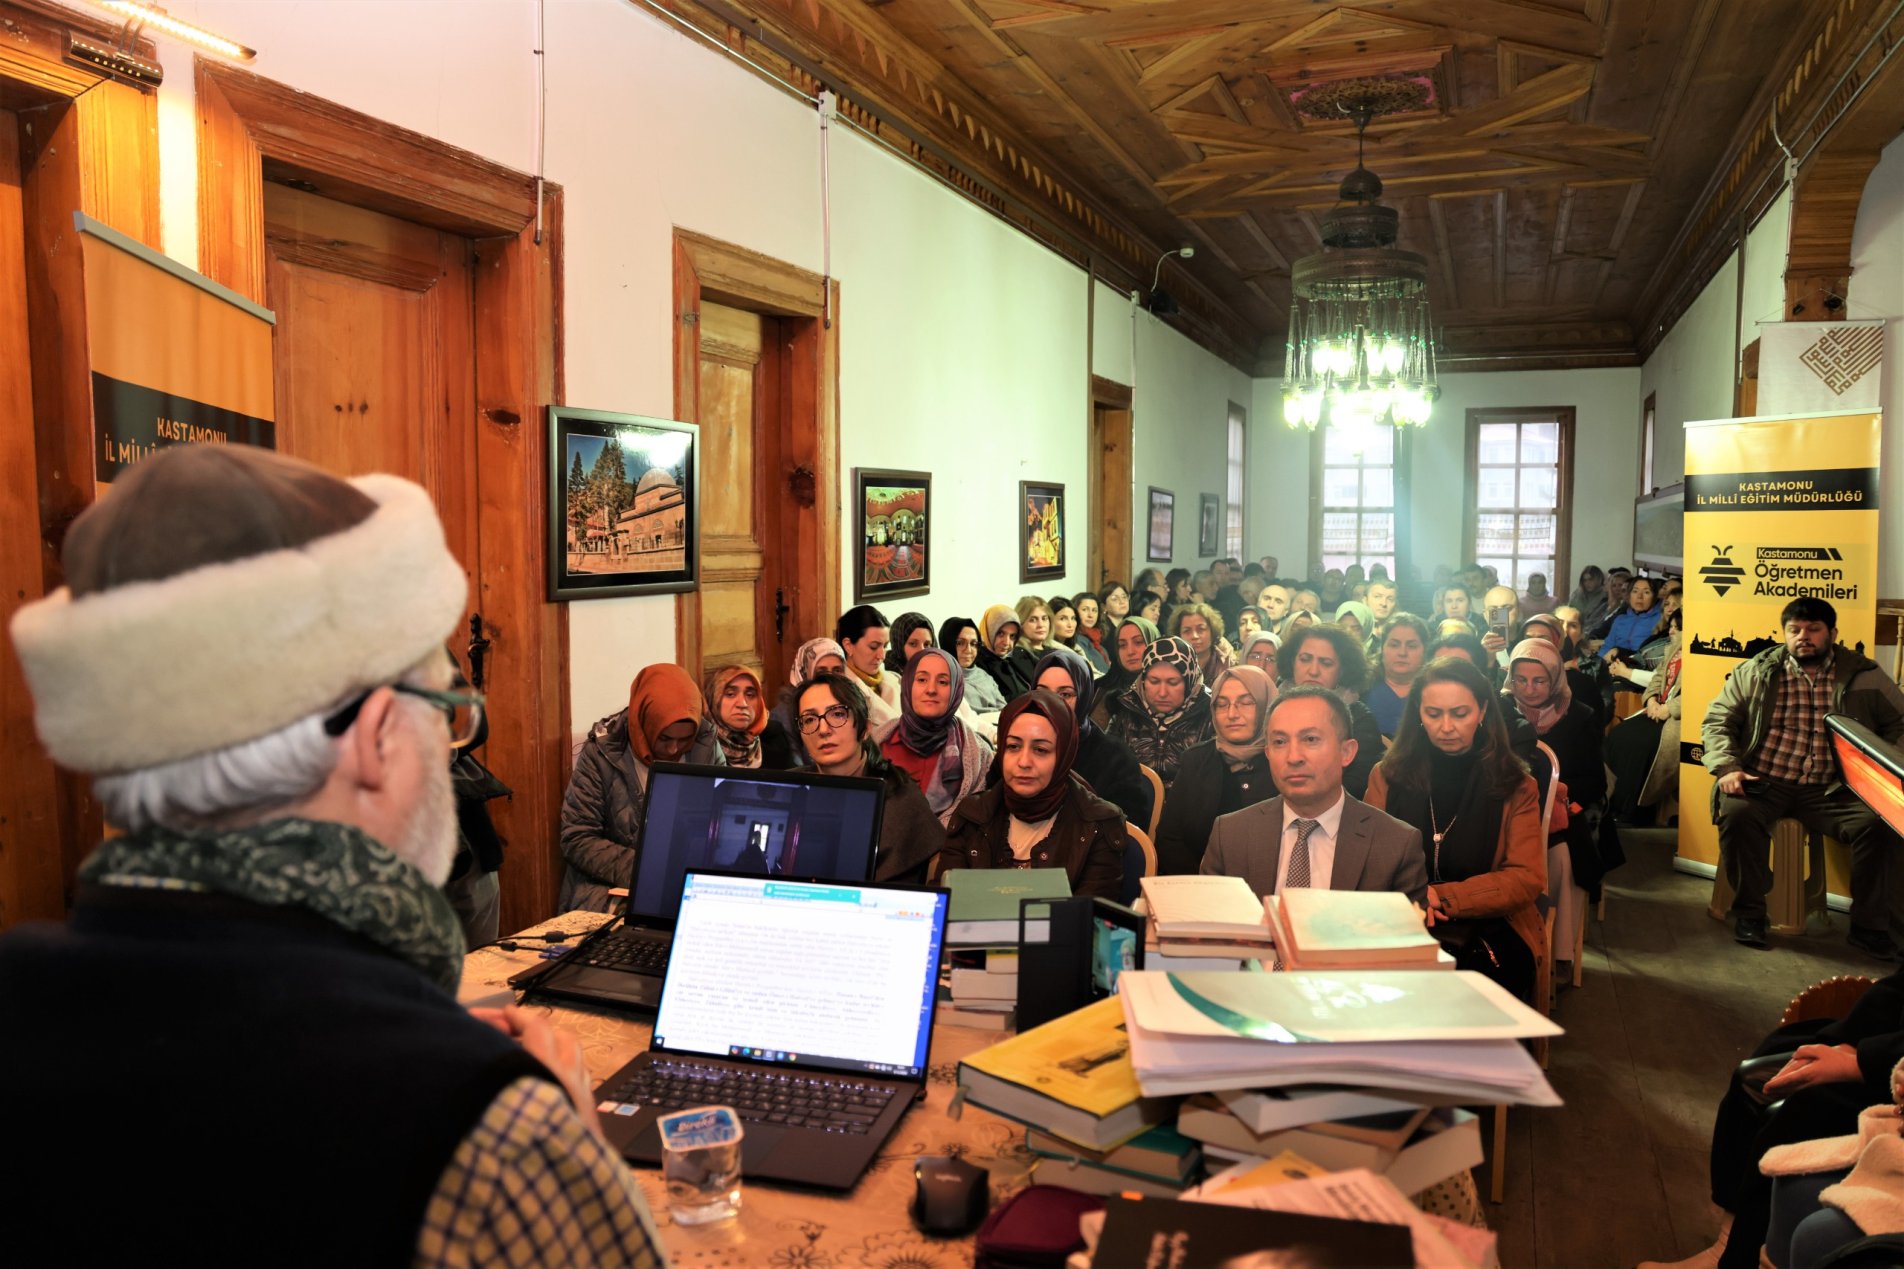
<point>868,1228</point>
<point>778,1228</point>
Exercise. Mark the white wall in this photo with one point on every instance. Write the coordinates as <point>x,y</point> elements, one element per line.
<point>963,344</point>
<point>1278,482</point>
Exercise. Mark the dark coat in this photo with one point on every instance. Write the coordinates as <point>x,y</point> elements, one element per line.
<point>1010,673</point>
<point>910,835</point>
<point>1113,773</point>
<point>1367,735</point>
<point>1158,748</point>
<point>1195,801</point>
<point>1087,840</point>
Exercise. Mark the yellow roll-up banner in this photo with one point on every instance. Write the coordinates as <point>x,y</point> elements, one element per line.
<point>176,359</point>
<point>1775,508</point>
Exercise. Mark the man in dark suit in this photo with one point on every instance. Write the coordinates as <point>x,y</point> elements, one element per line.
<point>1315,834</point>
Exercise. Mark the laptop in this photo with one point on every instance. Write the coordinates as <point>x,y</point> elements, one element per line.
<point>774,823</point>
<point>805,1005</point>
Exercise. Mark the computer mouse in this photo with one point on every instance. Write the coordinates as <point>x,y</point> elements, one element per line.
<point>951,1196</point>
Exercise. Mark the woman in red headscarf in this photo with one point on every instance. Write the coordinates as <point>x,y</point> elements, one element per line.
<point>1037,813</point>
<point>607,801</point>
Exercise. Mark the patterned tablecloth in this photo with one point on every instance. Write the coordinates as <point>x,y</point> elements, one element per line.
<point>866,1229</point>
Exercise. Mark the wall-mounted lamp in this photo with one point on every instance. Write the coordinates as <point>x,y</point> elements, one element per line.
<point>140,15</point>
<point>1162,302</point>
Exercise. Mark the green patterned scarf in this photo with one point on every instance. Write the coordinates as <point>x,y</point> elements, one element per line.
<point>338,872</point>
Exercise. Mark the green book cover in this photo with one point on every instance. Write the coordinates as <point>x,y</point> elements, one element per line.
<point>993,894</point>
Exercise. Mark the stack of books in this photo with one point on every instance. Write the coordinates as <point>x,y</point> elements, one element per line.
<point>1453,1035</point>
<point>981,937</point>
<point>1070,1078</point>
<point>1351,929</point>
<point>1415,1148</point>
<point>1159,1162</point>
<point>1203,923</point>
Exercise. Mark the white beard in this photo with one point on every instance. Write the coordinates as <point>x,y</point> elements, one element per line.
<point>430,838</point>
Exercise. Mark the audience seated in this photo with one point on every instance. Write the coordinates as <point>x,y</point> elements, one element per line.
<point>999,629</point>
<point>1036,812</point>
<point>1034,636</point>
<point>1458,605</point>
<point>960,636</point>
<point>1107,765</point>
<point>1330,657</point>
<point>910,632</point>
<point>1357,618</point>
<point>929,741</point>
<point>1249,620</point>
<point>1452,774</point>
<point>1499,616</point>
<point>748,734</point>
<point>1274,601</point>
<point>1643,751</point>
<point>1763,738</point>
<point>1201,626</point>
<point>1152,580</point>
<point>1150,606</point>
<point>1114,604</point>
<point>1382,598</point>
<point>606,802</point>
<point>1634,624</point>
<point>1537,685</point>
<point>1166,711</point>
<point>1071,629</point>
<point>1178,588</point>
<point>1619,580</point>
<point>1536,599</point>
<point>813,658</point>
<point>1552,628</point>
<point>862,634</point>
<point>1403,649</point>
<point>1260,650</point>
<point>1225,773</point>
<point>1589,598</point>
<point>1128,642</point>
<point>1314,833</point>
<point>834,725</point>
<point>266,924</point>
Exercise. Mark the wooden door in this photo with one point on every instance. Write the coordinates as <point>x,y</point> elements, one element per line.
<point>740,355</point>
<point>30,874</point>
<point>1111,494</point>
<point>374,350</point>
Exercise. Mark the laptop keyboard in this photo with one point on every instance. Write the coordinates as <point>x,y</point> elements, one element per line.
<point>626,949</point>
<point>838,1104</point>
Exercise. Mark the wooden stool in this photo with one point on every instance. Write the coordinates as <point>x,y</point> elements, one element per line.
<point>1798,880</point>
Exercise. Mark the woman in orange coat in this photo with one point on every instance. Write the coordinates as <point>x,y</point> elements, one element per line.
<point>1452,773</point>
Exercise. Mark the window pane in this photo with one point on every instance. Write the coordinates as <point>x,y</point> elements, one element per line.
<point>1503,568</point>
<point>1540,443</point>
<point>1378,486</point>
<point>1378,449</point>
<point>1337,446</point>
<point>1495,487</point>
<point>1341,487</point>
<point>1540,488</point>
<point>1494,535</point>
<point>1338,532</point>
<point>1529,567</point>
<point>1537,535</point>
<point>1497,443</point>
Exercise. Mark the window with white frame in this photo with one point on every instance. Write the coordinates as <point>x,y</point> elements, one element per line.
<point>1233,512</point>
<point>1354,519</point>
<point>1520,476</point>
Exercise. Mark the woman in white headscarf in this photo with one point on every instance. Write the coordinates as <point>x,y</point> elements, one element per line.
<point>816,656</point>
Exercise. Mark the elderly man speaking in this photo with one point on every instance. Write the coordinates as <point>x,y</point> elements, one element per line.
<point>245,1046</point>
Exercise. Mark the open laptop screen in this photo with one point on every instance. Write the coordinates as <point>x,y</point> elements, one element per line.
<point>778,823</point>
<point>834,975</point>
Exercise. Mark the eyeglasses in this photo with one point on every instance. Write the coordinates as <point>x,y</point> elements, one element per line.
<point>1069,695</point>
<point>837,716</point>
<point>463,710</point>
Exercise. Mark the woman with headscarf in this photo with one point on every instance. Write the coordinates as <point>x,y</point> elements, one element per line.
<point>1166,711</point>
<point>1249,620</point>
<point>1452,773</point>
<point>929,741</point>
<point>911,631</point>
<point>999,629</point>
<point>1357,618</point>
<point>1068,631</point>
<point>1106,764</point>
<point>1225,773</point>
<point>813,658</point>
<point>607,799</point>
<point>748,734</point>
<point>1128,641</point>
<point>962,638</point>
<point>833,729</point>
<point>1538,688</point>
<point>1038,813</point>
<point>1260,650</point>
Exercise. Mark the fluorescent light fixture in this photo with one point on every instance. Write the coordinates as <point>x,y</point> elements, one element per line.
<point>151,15</point>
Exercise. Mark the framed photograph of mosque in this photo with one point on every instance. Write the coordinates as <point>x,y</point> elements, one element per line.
<point>894,512</point>
<point>1162,523</point>
<point>1040,531</point>
<point>624,504</point>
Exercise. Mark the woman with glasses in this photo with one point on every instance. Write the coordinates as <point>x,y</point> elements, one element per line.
<point>1106,764</point>
<point>1225,773</point>
<point>606,803</point>
<point>1201,626</point>
<point>1260,650</point>
<point>929,741</point>
<point>1114,604</point>
<point>833,723</point>
<point>1167,711</point>
<point>814,658</point>
<point>1038,813</point>
<point>960,636</point>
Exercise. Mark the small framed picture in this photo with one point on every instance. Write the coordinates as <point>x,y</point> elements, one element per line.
<point>1163,525</point>
<point>1209,526</point>
<point>894,509</point>
<point>1040,531</point>
<point>624,504</point>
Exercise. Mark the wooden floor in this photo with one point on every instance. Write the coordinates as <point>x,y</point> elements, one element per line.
<point>1667,1006</point>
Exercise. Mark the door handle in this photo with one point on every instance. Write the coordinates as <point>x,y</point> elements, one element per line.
<point>780,610</point>
<point>478,650</point>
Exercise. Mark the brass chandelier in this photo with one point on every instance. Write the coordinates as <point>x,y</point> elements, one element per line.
<point>1360,347</point>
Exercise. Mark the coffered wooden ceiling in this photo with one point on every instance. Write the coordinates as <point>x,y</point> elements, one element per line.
<point>1552,178</point>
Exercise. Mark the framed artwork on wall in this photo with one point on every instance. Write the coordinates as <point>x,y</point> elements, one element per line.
<point>893,511</point>
<point>1209,526</point>
<point>624,504</point>
<point>1163,517</point>
<point>1041,543</point>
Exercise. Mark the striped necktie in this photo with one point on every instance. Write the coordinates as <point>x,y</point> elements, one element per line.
<point>1298,876</point>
